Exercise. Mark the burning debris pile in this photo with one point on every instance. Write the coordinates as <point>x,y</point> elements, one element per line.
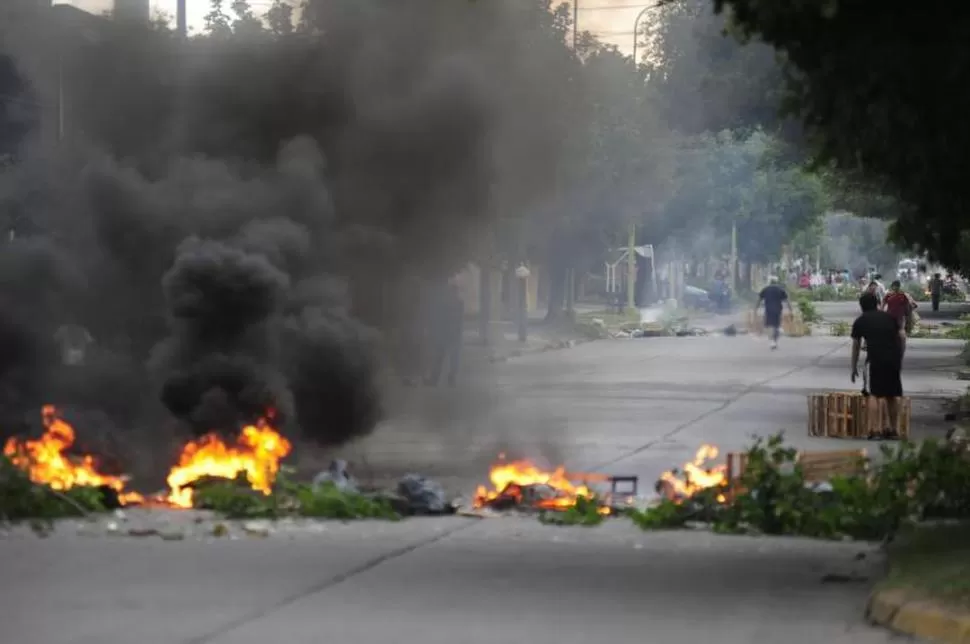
<point>522,485</point>
<point>255,455</point>
<point>696,477</point>
<point>47,462</point>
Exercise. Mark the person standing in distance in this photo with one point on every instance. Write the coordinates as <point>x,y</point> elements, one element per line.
<point>884,344</point>
<point>774,296</point>
<point>936,291</point>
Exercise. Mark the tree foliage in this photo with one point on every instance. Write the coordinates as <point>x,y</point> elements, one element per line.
<point>880,88</point>
<point>706,80</point>
<point>726,180</point>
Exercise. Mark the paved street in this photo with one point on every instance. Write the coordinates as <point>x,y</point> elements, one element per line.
<point>624,406</point>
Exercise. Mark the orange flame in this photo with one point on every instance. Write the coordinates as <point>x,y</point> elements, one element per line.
<point>507,479</point>
<point>257,453</point>
<point>697,476</point>
<point>46,463</point>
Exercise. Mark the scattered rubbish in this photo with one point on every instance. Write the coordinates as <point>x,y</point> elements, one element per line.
<point>423,496</point>
<point>142,532</point>
<point>338,475</point>
<point>257,529</point>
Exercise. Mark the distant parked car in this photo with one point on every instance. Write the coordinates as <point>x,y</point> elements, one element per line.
<point>697,298</point>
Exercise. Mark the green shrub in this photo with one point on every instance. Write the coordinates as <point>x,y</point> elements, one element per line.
<point>807,310</point>
<point>916,291</point>
<point>841,328</point>
<point>831,293</point>
<point>236,500</point>
<point>906,484</point>
<point>958,332</point>
<point>586,512</point>
<point>21,499</point>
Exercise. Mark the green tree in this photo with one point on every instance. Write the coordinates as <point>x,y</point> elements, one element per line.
<point>706,80</point>
<point>613,168</point>
<point>724,180</point>
<point>880,90</point>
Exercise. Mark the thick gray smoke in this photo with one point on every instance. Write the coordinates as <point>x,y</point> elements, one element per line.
<point>229,218</point>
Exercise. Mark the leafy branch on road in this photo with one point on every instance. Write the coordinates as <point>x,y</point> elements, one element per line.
<point>907,484</point>
<point>237,500</point>
<point>22,499</point>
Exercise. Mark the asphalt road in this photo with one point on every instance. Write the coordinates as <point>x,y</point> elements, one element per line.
<point>625,406</point>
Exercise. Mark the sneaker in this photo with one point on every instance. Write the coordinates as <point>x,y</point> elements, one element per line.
<point>774,345</point>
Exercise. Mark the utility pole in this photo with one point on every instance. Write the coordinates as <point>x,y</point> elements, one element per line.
<point>631,267</point>
<point>631,241</point>
<point>734,257</point>
<point>181,20</point>
<point>575,24</point>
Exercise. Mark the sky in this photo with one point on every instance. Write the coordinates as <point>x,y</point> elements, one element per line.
<point>610,20</point>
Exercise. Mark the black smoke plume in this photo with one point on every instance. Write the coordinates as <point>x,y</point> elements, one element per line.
<point>238,212</point>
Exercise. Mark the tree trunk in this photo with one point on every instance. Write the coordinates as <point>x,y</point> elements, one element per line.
<point>484,303</point>
<point>557,291</point>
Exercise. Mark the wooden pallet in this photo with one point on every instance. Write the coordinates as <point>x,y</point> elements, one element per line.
<point>817,467</point>
<point>853,415</point>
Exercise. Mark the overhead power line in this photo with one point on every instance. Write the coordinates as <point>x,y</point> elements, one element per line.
<point>617,7</point>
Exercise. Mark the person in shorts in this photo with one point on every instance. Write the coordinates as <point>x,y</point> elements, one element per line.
<point>900,306</point>
<point>774,296</point>
<point>884,340</point>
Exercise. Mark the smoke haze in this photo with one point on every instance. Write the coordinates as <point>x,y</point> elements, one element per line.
<point>229,218</point>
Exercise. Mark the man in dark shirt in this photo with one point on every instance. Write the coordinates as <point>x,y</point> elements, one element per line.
<point>884,345</point>
<point>773,295</point>
<point>936,290</point>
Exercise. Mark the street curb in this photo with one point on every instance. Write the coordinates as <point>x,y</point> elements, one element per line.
<point>555,345</point>
<point>925,619</point>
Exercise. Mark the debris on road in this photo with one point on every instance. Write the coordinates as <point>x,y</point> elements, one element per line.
<point>522,486</point>
<point>337,474</point>
<point>423,496</point>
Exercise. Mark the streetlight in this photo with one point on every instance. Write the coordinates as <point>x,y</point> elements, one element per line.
<point>636,29</point>
<point>631,257</point>
<point>522,276</point>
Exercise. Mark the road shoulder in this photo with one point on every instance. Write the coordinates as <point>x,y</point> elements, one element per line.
<point>927,589</point>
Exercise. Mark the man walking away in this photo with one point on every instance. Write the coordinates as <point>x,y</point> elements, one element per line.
<point>446,330</point>
<point>773,295</point>
<point>884,344</point>
<point>936,290</point>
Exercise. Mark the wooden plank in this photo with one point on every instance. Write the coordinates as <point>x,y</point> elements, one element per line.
<point>852,415</point>
<point>816,466</point>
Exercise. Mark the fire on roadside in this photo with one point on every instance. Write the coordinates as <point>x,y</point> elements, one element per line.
<point>46,461</point>
<point>510,480</point>
<point>257,453</point>
<point>696,476</point>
